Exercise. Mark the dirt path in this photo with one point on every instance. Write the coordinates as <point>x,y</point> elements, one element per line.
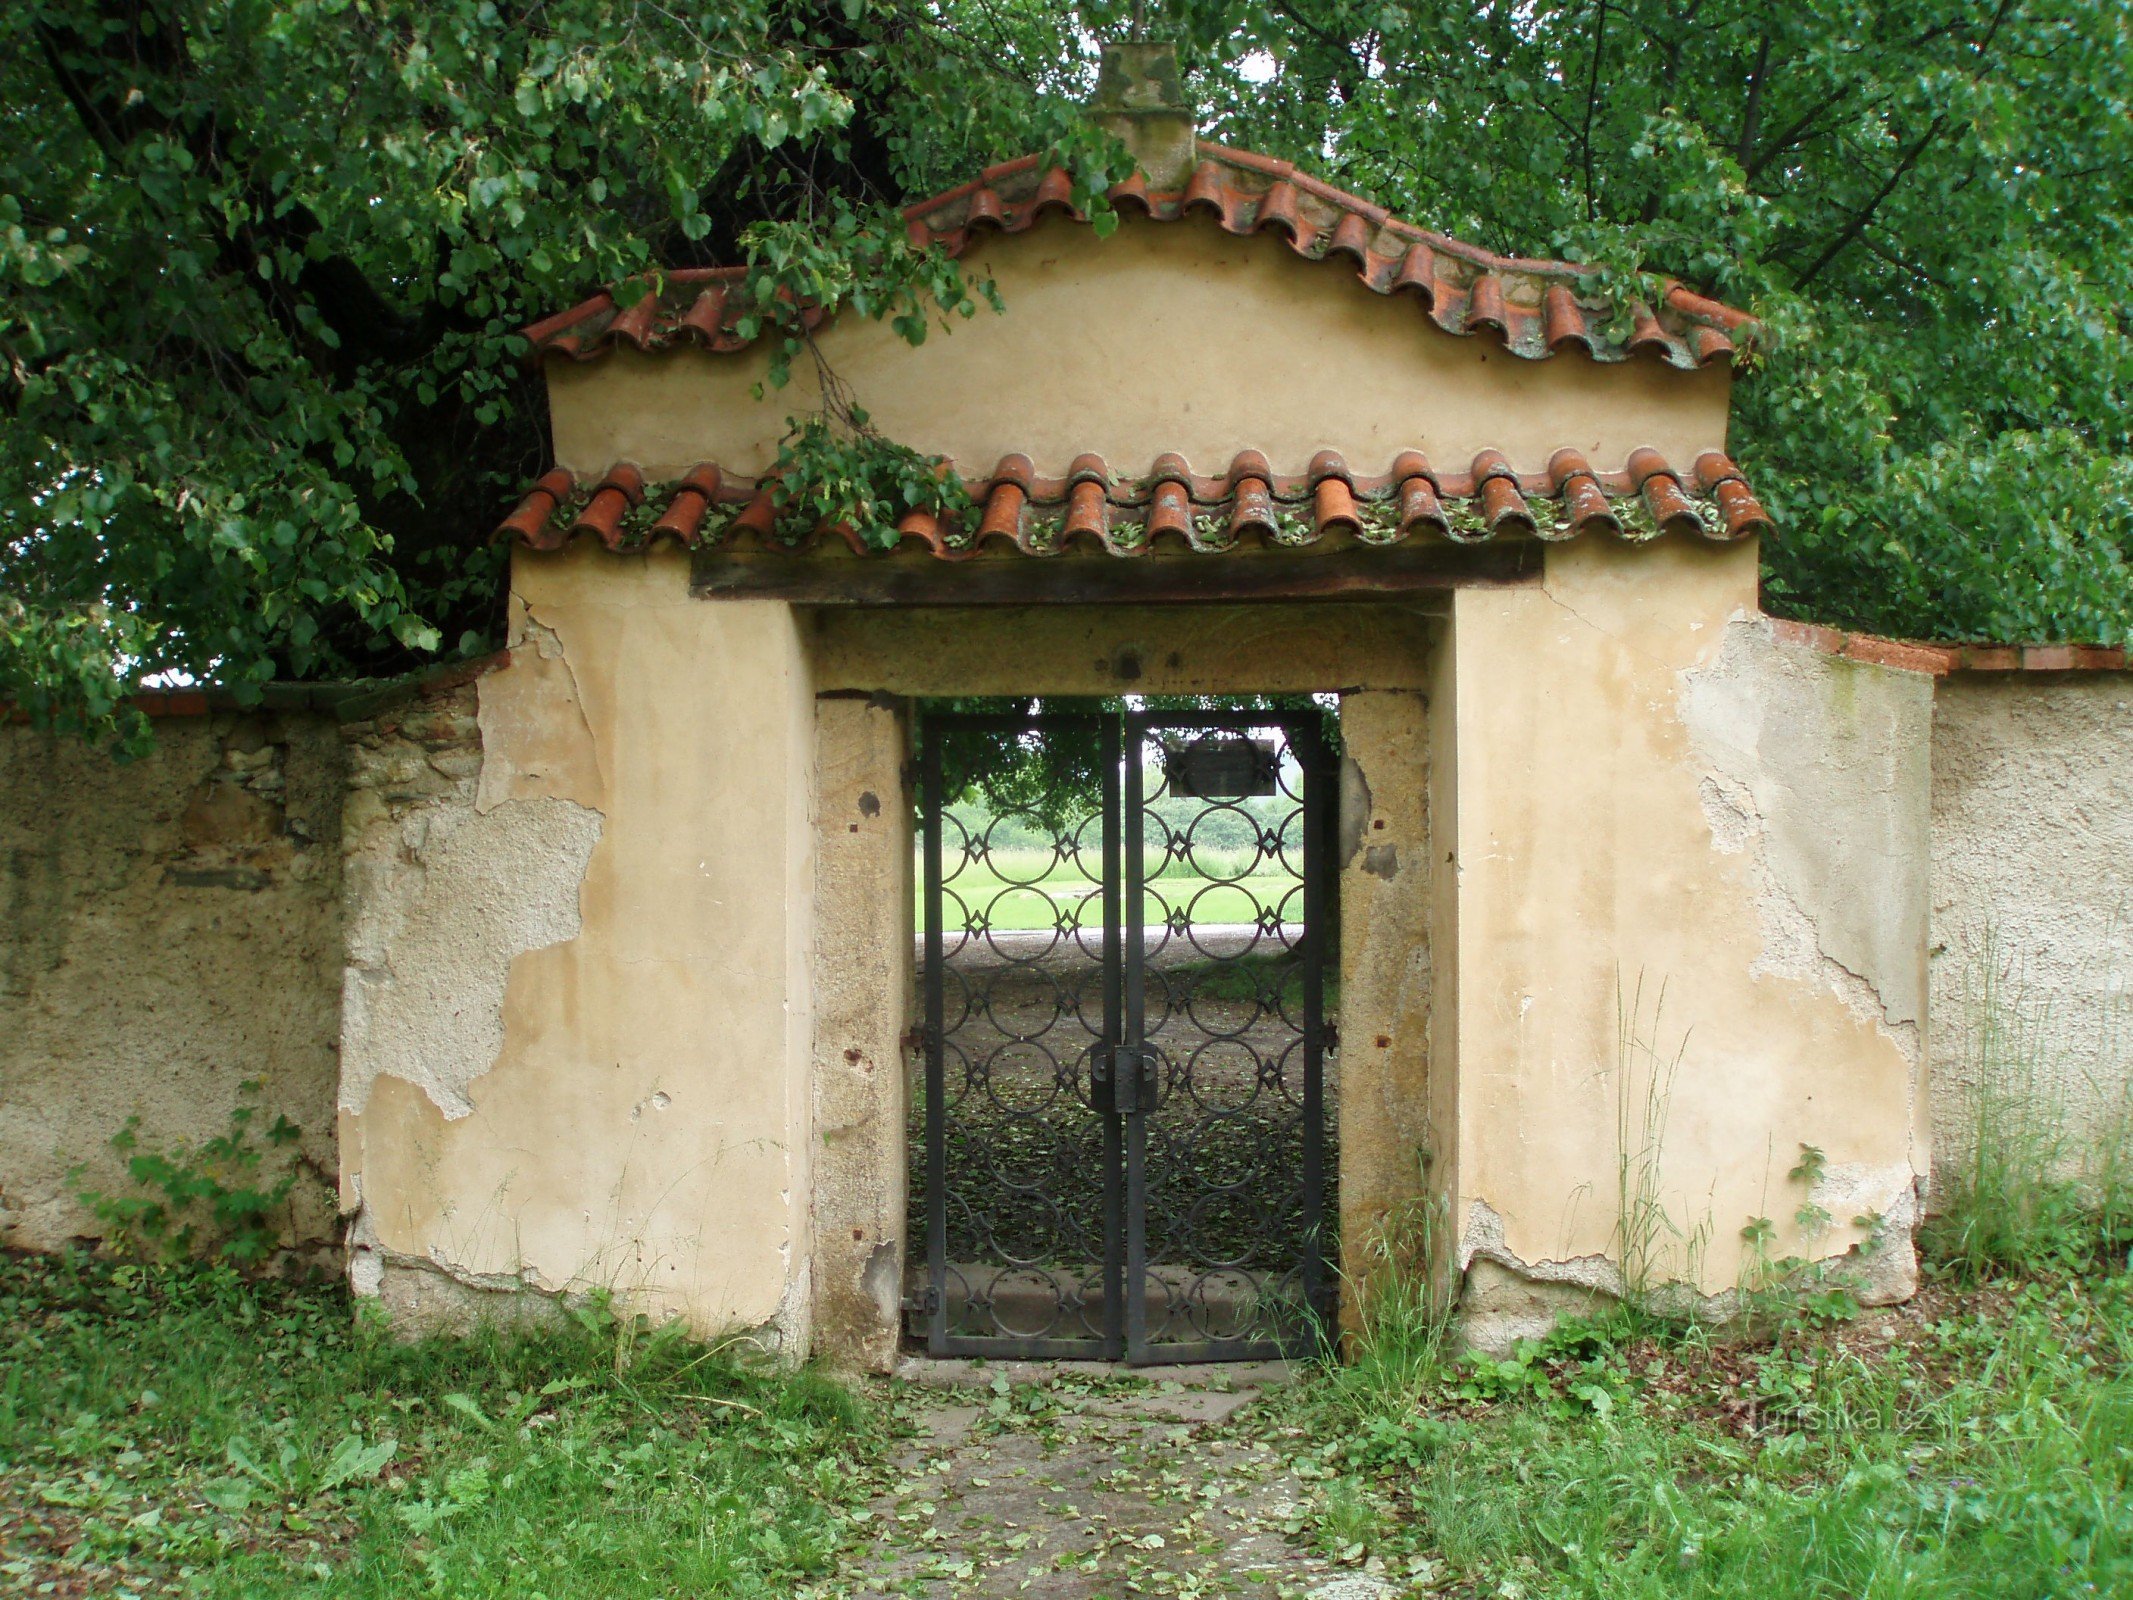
<point>1069,1483</point>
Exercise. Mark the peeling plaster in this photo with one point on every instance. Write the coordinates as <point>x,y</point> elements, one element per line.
<point>538,741</point>
<point>447,904</point>
<point>1504,1298</point>
<point>1483,1240</point>
<point>1355,808</point>
<point>1808,761</point>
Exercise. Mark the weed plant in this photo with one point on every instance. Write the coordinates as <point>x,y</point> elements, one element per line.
<point>2032,1194</point>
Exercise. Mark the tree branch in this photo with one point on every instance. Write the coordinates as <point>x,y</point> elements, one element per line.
<point>1852,229</point>
<point>1751,116</point>
<point>1592,104</point>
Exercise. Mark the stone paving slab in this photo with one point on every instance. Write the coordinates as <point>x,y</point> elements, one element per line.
<point>1082,1481</point>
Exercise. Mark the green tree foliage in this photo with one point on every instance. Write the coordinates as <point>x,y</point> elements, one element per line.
<point>1927,203</point>
<point>262,263</point>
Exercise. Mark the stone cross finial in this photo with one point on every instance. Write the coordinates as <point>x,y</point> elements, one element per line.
<point>1140,100</point>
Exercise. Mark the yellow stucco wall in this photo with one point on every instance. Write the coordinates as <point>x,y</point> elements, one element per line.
<point>1632,787</point>
<point>1166,336</point>
<point>1619,860</point>
<point>643,1125</point>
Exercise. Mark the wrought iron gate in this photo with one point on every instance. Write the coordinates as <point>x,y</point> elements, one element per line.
<point>1125,1039</point>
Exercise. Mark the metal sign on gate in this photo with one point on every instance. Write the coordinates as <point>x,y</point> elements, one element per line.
<point>1124,1018</point>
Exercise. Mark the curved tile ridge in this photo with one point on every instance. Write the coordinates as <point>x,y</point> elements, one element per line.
<point>1532,307</point>
<point>1172,507</point>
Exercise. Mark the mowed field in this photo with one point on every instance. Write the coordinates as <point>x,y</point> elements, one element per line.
<point>1027,889</point>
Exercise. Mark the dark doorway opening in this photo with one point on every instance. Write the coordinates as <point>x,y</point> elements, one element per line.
<point>1127,949</point>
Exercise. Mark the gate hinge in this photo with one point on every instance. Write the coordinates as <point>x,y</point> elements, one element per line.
<point>924,1303</point>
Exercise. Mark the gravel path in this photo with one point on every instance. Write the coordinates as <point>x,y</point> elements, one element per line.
<point>1084,1483</point>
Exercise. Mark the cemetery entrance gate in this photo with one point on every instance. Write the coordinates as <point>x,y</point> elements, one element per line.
<point>1125,921</point>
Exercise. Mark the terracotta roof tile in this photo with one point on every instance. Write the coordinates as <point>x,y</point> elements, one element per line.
<point>1534,307</point>
<point>1173,507</point>
<point>617,493</point>
<point>1941,658</point>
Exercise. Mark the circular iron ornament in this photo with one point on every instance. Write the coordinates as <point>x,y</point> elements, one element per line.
<point>1120,1145</point>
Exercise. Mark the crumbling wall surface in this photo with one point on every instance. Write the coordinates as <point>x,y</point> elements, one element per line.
<point>2032,935</point>
<point>864,914</point>
<point>577,991</point>
<point>169,930</point>
<point>1691,935</point>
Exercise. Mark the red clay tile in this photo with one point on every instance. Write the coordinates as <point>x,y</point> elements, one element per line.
<point>759,516</point>
<point>622,488</point>
<point>1417,272</point>
<point>1016,469</point>
<point>684,515</point>
<point>1585,506</point>
<point>922,526</point>
<point>1411,464</point>
<point>1895,653</point>
<point>1002,515</point>
<point>529,521</point>
<point>1170,467</point>
<point>1328,464</point>
<point>1278,208</point>
<point>1087,514</point>
<point>1170,511</point>
<point>1562,321</point>
<point>1670,508</point>
<point>1743,513</point>
<point>1253,512</point>
<point>173,703</point>
<point>637,324</point>
<point>1505,509</point>
<point>1333,505</point>
<point>1419,508</point>
<point>1351,237</point>
<point>1991,658</point>
<point>1789,630</point>
<point>1464,289</point>
<point>1493,464</point>
<point>706,317</point>
<point>1124,515</point>
<point>1485,306</point>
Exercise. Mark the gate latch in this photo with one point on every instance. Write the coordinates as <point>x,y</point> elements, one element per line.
<point>1129,1073</point>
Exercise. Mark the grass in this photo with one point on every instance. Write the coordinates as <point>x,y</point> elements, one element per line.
<point>1976,1442</point>
<point>183,1430</point>
<point>1021,888</point>
<point>1024,906</point>
<point>1987,1450</point>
